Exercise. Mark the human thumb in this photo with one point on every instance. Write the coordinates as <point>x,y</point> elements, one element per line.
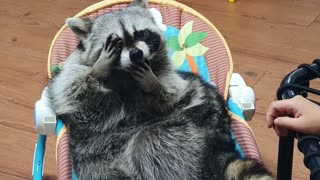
<point>288,122</point>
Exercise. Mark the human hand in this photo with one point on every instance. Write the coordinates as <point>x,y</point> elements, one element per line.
<point>305,116</point>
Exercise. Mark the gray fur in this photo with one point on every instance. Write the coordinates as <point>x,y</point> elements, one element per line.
<point>137,118</point>
<point>80,26</point>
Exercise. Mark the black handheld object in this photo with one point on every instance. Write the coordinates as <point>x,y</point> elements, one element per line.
<point>309,146</point>
<point>297,83</point>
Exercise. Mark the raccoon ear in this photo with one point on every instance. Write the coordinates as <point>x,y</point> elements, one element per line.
<point>80,26</point>
<point>141,3</point>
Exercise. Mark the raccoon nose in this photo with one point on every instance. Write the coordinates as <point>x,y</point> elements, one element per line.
<point>136,55</point>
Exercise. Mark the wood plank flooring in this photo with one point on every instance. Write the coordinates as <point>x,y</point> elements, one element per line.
<point>268,39</point>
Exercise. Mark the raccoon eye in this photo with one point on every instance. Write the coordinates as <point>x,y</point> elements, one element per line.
<point>141,34</point>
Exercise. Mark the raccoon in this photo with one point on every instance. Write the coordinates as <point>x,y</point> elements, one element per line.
<point>132,116</point>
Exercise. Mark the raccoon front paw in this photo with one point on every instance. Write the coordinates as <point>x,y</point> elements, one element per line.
<point>112,48</point>
<point>145,77</point>
<point>109,55</point>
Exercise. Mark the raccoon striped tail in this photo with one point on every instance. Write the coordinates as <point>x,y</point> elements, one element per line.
<point>247,170</point>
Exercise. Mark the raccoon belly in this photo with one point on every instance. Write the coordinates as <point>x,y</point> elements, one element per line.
<point>161,153</point>
<point>93,154</point>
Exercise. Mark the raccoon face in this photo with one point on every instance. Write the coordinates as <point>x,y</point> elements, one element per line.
<point>139,43</point>
<point>142,38</point>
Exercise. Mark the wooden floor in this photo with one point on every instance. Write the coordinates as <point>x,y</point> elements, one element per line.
<point>268,39</point>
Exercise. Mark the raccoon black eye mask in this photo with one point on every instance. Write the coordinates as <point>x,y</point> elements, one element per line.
<point>151,38</point>
<point>131,115</point>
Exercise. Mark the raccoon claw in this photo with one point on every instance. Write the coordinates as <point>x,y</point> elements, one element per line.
<point>116,50</point>
<point>112,47</point>
<point>109,54</point>
<point>113,42</point>
<point>108,41</point>
<point>143,74</point>
<point>141,69</point>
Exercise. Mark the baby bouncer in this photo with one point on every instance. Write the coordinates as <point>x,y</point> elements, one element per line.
<point>201,49</point>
